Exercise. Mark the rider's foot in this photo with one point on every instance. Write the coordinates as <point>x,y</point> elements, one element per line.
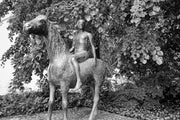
<point>77,88</point>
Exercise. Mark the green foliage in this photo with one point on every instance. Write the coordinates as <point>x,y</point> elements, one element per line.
<point>26,103</point>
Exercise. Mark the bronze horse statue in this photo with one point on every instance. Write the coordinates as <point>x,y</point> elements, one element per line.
<point>60,69</point>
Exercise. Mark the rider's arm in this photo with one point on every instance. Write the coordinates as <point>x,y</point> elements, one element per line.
<point>93,48</point>
<point>71,49</point>
<point>73,44</point>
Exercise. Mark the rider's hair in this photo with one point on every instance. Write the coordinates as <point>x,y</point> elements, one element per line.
<point>82,22</point>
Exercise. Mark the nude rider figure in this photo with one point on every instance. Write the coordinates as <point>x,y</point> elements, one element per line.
<point>82,46</point>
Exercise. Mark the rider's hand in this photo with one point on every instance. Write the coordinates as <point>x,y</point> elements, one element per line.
<point>71,49</point>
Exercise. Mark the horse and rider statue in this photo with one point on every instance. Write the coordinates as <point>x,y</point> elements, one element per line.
<point>68,67</point>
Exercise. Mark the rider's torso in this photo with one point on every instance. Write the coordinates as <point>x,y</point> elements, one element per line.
<point>82,42</point>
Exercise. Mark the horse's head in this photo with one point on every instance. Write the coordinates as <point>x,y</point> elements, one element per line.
<point>37,26</point>
<point>49,33</point>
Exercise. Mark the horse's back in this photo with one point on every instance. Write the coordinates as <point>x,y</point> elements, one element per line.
<point>89,67</point>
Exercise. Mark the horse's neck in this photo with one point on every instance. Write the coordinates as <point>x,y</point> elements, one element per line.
<point>59,58</point>
<point>54,42</point>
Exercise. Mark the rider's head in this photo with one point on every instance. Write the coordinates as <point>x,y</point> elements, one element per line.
<point>80,24</point>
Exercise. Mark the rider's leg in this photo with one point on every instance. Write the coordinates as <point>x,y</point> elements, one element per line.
<point>77,71</point>
<point>76,66</point>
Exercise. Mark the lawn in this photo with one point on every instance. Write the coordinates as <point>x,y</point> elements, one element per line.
<point>74,114</point>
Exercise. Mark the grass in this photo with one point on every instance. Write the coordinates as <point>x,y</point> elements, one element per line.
<point>73,114</point>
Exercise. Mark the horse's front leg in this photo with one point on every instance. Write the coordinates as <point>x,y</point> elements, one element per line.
<point>51,99</point>
<point>64,91</point>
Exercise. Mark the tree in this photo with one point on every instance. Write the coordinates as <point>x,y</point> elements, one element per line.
<point>141,37</point>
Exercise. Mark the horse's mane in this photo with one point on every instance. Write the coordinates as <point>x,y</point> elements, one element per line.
<point>55,43</point>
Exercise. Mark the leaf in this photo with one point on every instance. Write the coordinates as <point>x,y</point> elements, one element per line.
<point>136,20</point>
<point>178,17</point>
<point>152,13</point>
<point>149,5</point>
<point>100,30</point>
<point>66,19</point>
<point>88,17</point>
<point>156,8</point>
<point>70,36</point>
<point>160,53</point>
<point>156,0</point>
<point>159,61</point>
<point>144,61</point>
<point>93,13</point>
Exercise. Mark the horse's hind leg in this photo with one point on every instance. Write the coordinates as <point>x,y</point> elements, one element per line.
<point>98,81</point>
<point>51,99</point>
<point>64,91</point>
